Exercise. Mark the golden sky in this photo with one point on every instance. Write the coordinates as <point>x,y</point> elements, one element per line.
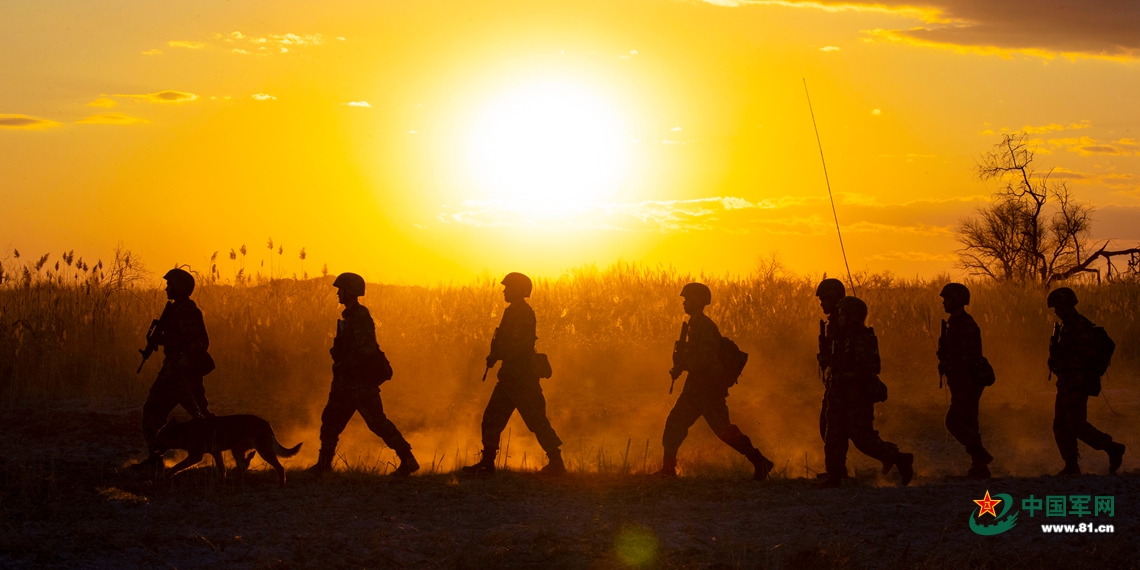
<point>423,141</point>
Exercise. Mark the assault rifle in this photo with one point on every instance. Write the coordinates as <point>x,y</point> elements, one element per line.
<point>680,355</point>
<point>152,336</point>
<point>941,353</point>
<point>1054,341</point>
<point>494,352</point>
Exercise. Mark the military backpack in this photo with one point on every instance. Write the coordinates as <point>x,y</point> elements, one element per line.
<point>1105,346</point>
<point>731,361</point>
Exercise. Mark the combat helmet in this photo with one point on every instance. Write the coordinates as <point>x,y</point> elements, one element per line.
<point>853,308</point>
<point>350,283</point>
<point>698,292</point>
<point>181,279</point>
<point>956,291</point>
<point>830,287</point>
<point>519,282</point>
<point>1062,297</point>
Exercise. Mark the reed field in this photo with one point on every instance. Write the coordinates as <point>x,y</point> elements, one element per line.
<point>73,332</point>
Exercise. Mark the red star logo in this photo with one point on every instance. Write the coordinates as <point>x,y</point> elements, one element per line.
<point>987,505</point>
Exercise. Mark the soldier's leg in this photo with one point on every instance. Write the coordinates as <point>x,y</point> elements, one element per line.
<point>188,386</point>
<point>716,414</point>
<point>1076,418</point>
<point>531,405</point>
<point>962,420</point>
<point>198,390</point>
<point>1066,439</point>
<point>160,401</point>
<point>338,411</point>
<point>823,419</point>
<point>835,440</point>
<point>861,423</point>
<point>495,417</point>
<point>683,415</point>
<point>371,408</point>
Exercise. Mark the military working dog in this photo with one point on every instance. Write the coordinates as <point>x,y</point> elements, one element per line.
<point>240,434</point>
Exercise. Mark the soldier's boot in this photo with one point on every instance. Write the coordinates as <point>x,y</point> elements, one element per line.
<point>829,482</point>
<point>408,463</point>
<point>1115,456</point>
<point>485,466</point>
<point>555,467</point>
<point>152,463</point>
<point>978,471</point>
<point>761,465</point>
<point>323,464</point>
<point>905,462</point>
<point>668,468</point>
<point>1071,468</point>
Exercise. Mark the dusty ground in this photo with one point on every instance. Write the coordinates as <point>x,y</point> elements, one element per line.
<point>66,501</point>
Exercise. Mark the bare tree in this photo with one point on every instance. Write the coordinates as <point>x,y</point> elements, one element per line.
<point>1034,230</point>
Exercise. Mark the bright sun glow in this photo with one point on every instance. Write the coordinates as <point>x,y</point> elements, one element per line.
<point>548,145</point>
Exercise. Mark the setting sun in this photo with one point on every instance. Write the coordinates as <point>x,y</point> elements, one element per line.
<point>548,145</point>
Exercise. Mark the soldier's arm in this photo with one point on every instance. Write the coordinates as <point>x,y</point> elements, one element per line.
<point>704,343</point>
<point>517,337</point>
<point>193,329</point>
<point>971,345</point>
<point>867,355</point>
<point>1079,350</point>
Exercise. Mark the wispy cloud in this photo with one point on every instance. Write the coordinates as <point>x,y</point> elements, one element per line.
<point>829,48</point>
<point>152,52</point>
<point>264,97</point>
<point>363,104</point>
<point>252,45</point>
<point>1088,146</point>
<point>103,102</point>
<point>161,96</point>
<point>25,122</point>
<point>111,119</point>
<point>186,44</point>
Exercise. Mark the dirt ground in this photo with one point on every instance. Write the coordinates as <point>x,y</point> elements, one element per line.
<point>66,501</point>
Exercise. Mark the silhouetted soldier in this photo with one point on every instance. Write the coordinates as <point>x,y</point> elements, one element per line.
<point>1078,362</point>
<point>967,373</point>
<point>359,367</point>
<point>706,389</point>
<point>829,291</point>
<point>181,333</point>
<point>852,389</point>
<point>518,386</point>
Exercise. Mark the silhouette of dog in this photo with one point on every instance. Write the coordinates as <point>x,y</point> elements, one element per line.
<point>240,434</point>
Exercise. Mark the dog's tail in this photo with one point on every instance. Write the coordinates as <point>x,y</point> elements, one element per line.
<point>281,451</point>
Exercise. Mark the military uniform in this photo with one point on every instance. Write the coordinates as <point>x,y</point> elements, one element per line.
<point>705,395</point>
<point>960,360</point>
<point>824,358</point>
<point>518,387</point>
<point>182,334</point>
<point>355,387</point>
<point>849,398</point>
<point>1073,361</point>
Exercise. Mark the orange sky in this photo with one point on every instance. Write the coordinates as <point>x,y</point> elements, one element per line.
<point>423,141</point>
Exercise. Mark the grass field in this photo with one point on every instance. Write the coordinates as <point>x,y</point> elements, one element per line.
<point>71,400</point>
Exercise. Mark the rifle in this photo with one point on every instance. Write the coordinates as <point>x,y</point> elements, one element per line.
<point>941,342</point>
<point>823,348</point>
<point>494,351</point>
<point>1053,342</point>
<point>152,335</point>
<point>680,354</point>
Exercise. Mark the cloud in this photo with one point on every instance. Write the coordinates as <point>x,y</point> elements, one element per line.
<point>103,102</point>
<point>162,96</point>
<point>357,104</point>
<point>152,52</point>
<point>829,48</point>
<point>25,122</point>
<point>111,119</point>
<point>1088,146</point>
<point>1103,29</point>
<point>186,44</point>
<point>264,97</point>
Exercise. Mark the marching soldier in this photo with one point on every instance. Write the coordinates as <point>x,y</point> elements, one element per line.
<point>181,333</point>
<point>851,390</point>
<point>967,373</point>
<point>706,389</point>
<point>359,367</point>
<point>1078,362</point>
<point>518,387</point>
<point>829,291</point>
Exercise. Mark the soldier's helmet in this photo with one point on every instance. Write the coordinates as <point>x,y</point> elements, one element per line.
<point>956,291</point>
<point>350,283</point>
<point>181,279</point>
<point>854,309</point>
<point>1062,297</point>
<point>518,282</point>
<point>698,292</point>
<point>830,287</point>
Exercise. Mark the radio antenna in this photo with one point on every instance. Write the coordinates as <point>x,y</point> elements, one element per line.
<point>834,215</point>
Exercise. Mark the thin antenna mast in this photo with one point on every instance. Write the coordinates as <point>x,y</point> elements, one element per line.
<point>842,249</point>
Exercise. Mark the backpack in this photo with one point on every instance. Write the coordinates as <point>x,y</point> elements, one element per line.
<point>731,360</point>
<point>378,369</point>
<point>1104,349</point>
